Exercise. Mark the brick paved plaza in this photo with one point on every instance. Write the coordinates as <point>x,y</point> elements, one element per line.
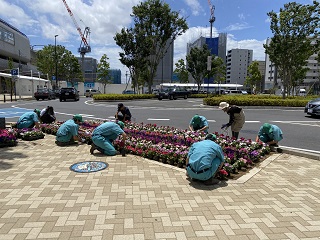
<point>136,198</point>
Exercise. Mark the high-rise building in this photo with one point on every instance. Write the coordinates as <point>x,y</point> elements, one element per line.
<point>237,63</point>
<point>217,46</point>
<point>165,67</point>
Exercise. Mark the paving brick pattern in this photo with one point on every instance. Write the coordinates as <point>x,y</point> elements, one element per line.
<point>40,198</point>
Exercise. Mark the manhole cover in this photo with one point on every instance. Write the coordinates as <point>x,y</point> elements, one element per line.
<point>89,166</point>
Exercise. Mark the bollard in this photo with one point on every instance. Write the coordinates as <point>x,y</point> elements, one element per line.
<point>2,123</point>
<point>4,98</point>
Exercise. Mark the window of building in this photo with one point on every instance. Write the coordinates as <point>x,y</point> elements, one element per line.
<point>6,36</point>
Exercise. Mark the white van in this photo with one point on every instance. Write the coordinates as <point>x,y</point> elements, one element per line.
<point>91,92</point>
<point>302,92</point>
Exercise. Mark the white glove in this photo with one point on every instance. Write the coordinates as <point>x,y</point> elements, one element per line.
<point>83,140</point>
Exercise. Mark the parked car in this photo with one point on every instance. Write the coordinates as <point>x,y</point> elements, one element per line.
<point>313,107</point>
<point>44,93</point>
<point>91,92</point>
<point>172,93</point>
<point>128,92</point>
<point>69,93</point>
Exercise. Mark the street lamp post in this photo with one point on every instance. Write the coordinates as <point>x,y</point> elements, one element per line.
<point>56,60</point>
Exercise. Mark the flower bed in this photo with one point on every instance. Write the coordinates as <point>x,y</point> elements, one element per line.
<point>7,138</point>
<point>29,134</point>
<point>171,145</point>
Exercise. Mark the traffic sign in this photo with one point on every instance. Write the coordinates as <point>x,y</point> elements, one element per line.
<point>14,72</point>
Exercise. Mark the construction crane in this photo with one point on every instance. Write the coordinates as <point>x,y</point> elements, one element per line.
<point>212,17</point>
<point>84,45</point>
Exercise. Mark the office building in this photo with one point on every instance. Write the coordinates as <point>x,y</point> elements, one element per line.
<point>237,63</point>
<point>217,46</point>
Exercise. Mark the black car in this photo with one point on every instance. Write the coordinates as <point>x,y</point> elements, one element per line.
<point>173,93</point>
<point>44,93</point>
<point>69,93</point>
<point>313,107</point>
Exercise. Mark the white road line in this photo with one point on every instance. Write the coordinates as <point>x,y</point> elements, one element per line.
<point>211,120</point>
<point>297,121</point>
<point>303,150</point>
<point>158,119</point>
<point>252,121</point>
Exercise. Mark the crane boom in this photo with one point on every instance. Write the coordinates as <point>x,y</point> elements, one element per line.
<point>212,8</point>
<point>212,17</point>
<point>87,30</point>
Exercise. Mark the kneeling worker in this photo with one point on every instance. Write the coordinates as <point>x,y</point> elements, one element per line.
<point>104,135</point>
<point>199,123</point>
<point>205,159</point>
<point>270,134</point>
<point>29,120</point>
<point>67,133</point>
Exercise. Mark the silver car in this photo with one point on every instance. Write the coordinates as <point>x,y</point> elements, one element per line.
<point>313,107</point>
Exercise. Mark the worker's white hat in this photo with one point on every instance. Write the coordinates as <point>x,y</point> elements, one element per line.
<point>223,105</point>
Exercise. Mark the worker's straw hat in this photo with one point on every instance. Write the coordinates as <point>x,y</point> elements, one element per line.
<point>223,105</point>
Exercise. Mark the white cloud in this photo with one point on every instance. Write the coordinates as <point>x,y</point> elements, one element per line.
<point>241,16</point>
<point>195,6</point>
<point>180,45</point>
<point>237,26</point>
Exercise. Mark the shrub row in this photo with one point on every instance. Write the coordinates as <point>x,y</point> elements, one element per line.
<point>122,96</point>
<point>257,100</point>
<point>214,100</point>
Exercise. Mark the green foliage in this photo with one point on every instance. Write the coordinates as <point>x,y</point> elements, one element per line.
<point>258,100</point>
<point>197,65</point>
<point>254,76</point>
<point>182,71</point>
<point>294,29</point>
<point>68,66</point>
<point>103,70</point>
<point>105,97</point>
<point>155,29</point>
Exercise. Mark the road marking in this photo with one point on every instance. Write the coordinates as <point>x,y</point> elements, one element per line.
<point>158,119</point>
<point>252,121</point>
<point>297,121</point>
<point>211,120</point>
<point>302,150</point>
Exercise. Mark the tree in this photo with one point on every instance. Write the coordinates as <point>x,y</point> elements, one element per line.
<point>103,71</point>
<point>68,66</point>
<point>133,56</point>
<point>254,76</point>
<point>71,69</point>
<point>155,29</point>
<point>295,31</point>
<point>182,71</point>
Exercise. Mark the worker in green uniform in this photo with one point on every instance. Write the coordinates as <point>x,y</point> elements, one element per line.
<point>205,159</point>
<point>103,136</point>
<point>67,133</point>
<point>29,120</point>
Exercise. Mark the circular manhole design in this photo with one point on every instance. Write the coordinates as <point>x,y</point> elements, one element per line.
<point>88,166</point>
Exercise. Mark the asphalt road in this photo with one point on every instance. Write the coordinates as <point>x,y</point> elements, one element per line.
<point>300,131</point>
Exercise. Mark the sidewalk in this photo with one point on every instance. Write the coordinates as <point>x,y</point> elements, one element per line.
<point>16,98</point>
<point>136,198</point>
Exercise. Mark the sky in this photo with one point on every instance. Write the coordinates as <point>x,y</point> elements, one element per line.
<point>245,22</point>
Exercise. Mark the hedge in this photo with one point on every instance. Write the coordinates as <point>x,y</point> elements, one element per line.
<point>214,100</point>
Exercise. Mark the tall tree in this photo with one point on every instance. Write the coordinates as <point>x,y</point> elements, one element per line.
<point>254,76</point>
<point>294,29</point>
<point>68,66</point>
<point>134,56</point>
<point>103,71</point>
<point>182,71</point>
<point>197,65</point>
<point>156,27</point>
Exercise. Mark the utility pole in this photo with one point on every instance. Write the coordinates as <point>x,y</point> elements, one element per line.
<point>56,58</point>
